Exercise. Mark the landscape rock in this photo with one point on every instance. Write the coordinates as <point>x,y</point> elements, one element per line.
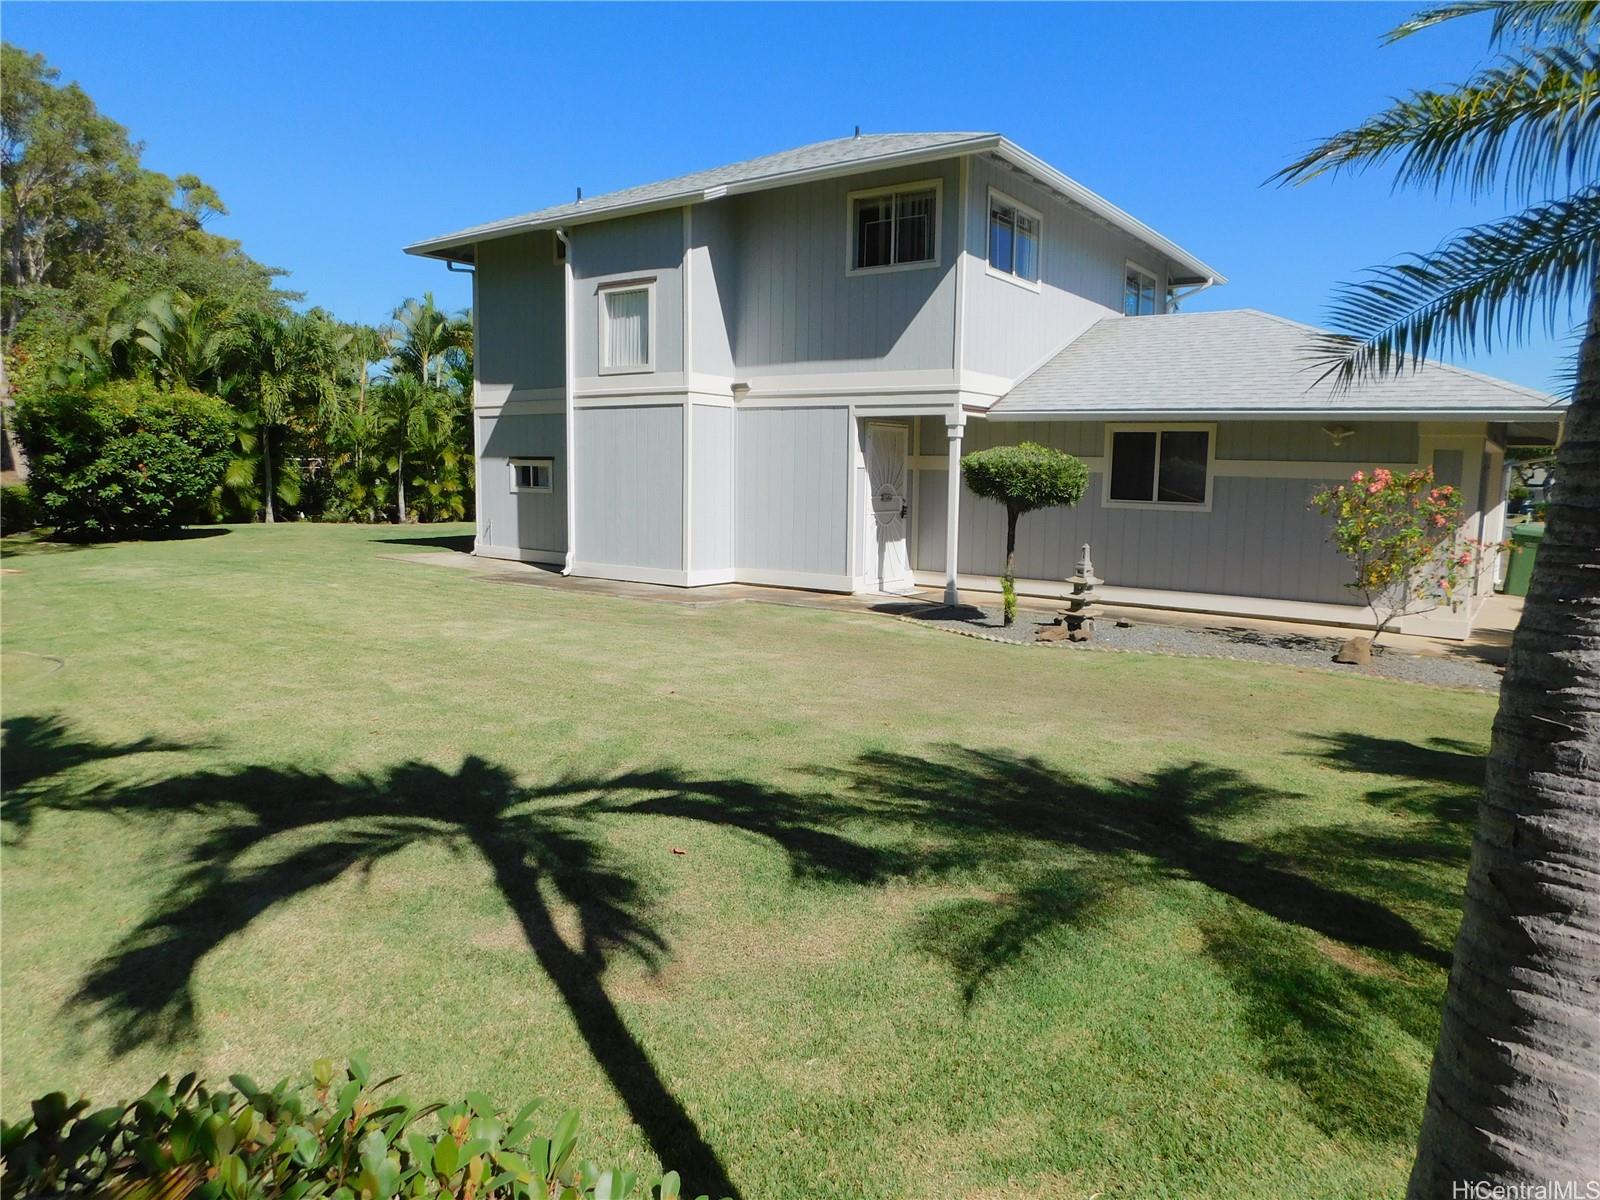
<point>1357,652</point>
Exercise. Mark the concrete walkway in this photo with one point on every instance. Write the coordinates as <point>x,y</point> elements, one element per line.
<point>1490,641</point>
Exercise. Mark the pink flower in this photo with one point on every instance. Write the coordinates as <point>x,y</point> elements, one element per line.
<point>1382,475</point>
<point>1438,520</point>
<point>1374,488</point>
<point>1466,559</point>
<point>1358,477</point>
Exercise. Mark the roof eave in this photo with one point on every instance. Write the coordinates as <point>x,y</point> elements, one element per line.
<point>1202,271</point>
<point>436,247</point>
<point>1551,415</point>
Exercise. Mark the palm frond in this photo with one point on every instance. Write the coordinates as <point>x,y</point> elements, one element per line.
<point>1529,20</point>
<point>1494,280</point>
<point>1529,122</point>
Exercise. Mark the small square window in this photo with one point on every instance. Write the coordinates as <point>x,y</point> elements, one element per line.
<point>895,228</point>
<point>532,474</point>
<point>1160,466</point>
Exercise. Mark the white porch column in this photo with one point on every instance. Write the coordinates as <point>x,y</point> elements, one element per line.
<point>954,427</point>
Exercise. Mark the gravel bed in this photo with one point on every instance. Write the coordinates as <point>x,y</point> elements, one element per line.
<point>1245,645</point>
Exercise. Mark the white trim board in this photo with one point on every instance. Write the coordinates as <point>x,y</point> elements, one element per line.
<point>520,554</point>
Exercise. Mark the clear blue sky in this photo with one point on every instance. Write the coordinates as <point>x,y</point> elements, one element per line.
<point>336,133</point>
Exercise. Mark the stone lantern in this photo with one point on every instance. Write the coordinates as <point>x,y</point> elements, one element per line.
<point>1079,614</point>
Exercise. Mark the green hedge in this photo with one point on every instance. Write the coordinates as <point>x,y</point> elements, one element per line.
<point>126,457</point>
<point>340,1134</point>
<point>18,512</point>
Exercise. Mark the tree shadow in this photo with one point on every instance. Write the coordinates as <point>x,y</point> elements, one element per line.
<point>1053,850</point>
<point>278,834</point>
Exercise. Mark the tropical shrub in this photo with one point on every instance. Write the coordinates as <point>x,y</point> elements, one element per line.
<point>1023,478</point>
<point>124,457</point>
<point>1403,535</point>
<point>339,1134</point>
<point>17,509</point>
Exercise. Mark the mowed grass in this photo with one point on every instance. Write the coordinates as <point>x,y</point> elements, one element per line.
<point>804,903</point>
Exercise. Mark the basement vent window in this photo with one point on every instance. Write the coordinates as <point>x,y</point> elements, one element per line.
<point>533,474</point>
<point>1168,467</point>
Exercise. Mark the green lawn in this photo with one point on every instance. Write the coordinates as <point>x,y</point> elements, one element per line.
<point>949,918</point>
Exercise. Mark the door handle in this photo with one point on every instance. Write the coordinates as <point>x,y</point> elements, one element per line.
<point>904,509</point>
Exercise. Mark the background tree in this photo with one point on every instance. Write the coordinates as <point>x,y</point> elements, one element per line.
<point>1514,1095</point>
<point>1023,478</point>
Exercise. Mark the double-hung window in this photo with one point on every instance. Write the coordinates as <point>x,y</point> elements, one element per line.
<point>1138,291</point>
<point>1013,239</point>
<point>895,227</point>
<point>1169,466</point>
<point>627,312</point>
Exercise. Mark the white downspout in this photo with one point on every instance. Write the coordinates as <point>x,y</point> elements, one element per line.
<point>954,427</point>
<point>568,355</point>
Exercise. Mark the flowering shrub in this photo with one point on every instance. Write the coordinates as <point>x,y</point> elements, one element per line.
<point>1403,533</point>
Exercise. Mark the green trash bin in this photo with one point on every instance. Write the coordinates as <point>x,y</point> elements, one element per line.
<point>1525,541</point>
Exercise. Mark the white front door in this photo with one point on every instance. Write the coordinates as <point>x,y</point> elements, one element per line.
<point>888,565</point>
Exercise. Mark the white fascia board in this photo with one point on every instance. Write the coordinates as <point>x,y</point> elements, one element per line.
<point>1101,207</point>
<point>1280,414</point>
<point>432,247</point>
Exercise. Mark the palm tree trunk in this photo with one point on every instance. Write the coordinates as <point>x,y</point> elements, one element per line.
<point>266,467</point>
<point>1515,1091</point>
<point>400,485</point>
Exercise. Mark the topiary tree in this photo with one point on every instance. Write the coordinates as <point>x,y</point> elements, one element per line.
<point>124,457</point>
<point>1023,478</point>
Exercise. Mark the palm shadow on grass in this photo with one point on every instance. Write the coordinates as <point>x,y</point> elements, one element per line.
<point>1058,851</point>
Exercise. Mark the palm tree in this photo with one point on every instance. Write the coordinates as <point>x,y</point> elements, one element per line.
<point>424,338</point>
<point>284,367</point>
<point>1514,1096</point>
<point>403,401</point>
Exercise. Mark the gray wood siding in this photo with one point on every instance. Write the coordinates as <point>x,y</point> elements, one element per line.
<point>798,308</point>
<point>1304,441</point>
<point>1008,330</point>
<point>630,486</point>
<point>1259,539</point>
<point>645,246</point>
<point>711,500</point>
<point>519,318</point>
<point>791,489</point>
<point>526,520</point>
<point>713,290</point>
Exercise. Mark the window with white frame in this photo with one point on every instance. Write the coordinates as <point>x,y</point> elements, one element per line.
<point>626,338</point>
<point>533,474</point>
<point>896,227</point>
<point>1013,238</point>
<point>1138,291</point>
<point>1170,466</point>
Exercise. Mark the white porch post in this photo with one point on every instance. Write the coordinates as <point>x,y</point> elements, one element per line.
<point>953,427</point>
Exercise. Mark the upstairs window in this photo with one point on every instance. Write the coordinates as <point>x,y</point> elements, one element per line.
<point>625,334</point>
<point>1161,466</point>
<point>1138,292</point>
<point>897,227</point>
<point>1013,238</point>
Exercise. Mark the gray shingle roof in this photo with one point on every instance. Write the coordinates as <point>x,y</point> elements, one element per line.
<point>818,160</point>
<point>818,155</point>
<point>1246,362</point>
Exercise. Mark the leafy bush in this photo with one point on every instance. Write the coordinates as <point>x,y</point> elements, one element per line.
<point>124,457</point>
<point>332,1136</point>
<point>1403,535</point>
<point>1023,478</point>
<point>17,509</point>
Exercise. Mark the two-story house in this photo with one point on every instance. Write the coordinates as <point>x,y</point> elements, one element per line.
<point>767,373</point>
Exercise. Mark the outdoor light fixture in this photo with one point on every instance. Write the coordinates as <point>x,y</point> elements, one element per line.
<point>741,390</point>
<point>1338,433</point>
